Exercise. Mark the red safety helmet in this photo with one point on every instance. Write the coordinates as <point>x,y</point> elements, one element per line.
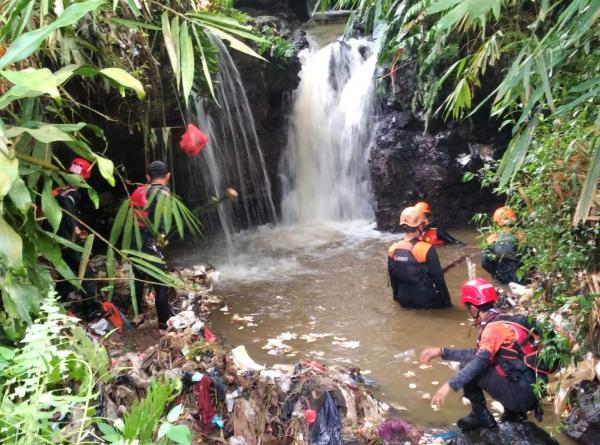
<point>81,167</point>
<point>478,291</point>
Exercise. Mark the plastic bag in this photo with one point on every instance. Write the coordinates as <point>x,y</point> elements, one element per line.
<point>327,428</point>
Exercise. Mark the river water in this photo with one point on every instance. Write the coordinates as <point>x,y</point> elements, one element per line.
<point>328,281</point>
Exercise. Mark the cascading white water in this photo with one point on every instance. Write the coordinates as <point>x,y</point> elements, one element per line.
<point>233,156</point>
<point>324,171</point>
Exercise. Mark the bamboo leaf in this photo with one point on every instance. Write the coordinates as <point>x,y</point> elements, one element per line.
<point>186,50</point>
<point>127,229</point>
<point>134,24</point>
<point>125,80</point>
<point>26,44</point>
<point>205,69</point>
<point>46,133</point>
<point>513,158</point>
<point>133,290</point>
<point>85,258</point>
<point>233,42</point>
<point>590,187</point>
<point>169,44</point>
<point>52,210</point>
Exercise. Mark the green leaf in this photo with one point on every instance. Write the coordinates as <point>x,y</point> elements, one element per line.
<point>169,44</point>
<point>590,187</point>
<point>46,133</point>
<point>175,413</point>
<point>85,258</point>
<point>134,24</point>
<point>26,44</point>
<point>106,429</point>
<point>52,210</point>
<point>125,79</point>
<point>186,50</point>
<point>205,68</point>
<point>133,290</point>
<point>11,245</point>
<point>514,156</point>
<point>19,194</point>
<point>164,427</point>
<point>9,173</point>
<point>180,434</point>
<point>106,168</point>
<point>233,42</point>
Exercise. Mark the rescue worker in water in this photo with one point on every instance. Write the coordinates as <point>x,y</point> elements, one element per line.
<point>500,257</point>
<point>70,199</point>
<point>414,269</point>
<point>145,199</point>
<point>504,363</point>
<point>431,233</point>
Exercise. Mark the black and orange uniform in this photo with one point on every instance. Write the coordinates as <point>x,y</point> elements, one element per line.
<point>503,364</point>
<point>500,258</point>
<point>416,276</point>
<point>69,198</point>
<point>150,247</point>
<point>436,236</point>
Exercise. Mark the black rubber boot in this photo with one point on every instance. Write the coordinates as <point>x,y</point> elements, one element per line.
<point>511,416</point>
<point>480,417</point>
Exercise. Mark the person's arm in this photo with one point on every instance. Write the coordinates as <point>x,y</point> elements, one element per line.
<point>70,204</point>
<point>457,355</point>
<point>471,370</point>
<point>446,237</point>
<point>434,269</point>
<point>393,282</point>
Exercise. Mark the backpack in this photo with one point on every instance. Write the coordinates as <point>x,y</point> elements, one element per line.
<point>524,354</point>
<point>408,265</point>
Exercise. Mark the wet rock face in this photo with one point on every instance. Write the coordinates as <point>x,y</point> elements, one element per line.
<point>583,422</point>
<point>409,164</point>
<point>506,433</point>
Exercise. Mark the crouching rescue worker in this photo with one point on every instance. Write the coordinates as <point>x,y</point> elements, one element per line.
<point>144,199</point>
<point>431,233</point>
<point>70,199</point>
<point>500,257</point>
<point>504,363</point>
<point>414,268</point>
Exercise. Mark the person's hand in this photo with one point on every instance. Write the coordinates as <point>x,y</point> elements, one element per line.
<point>430,353</point>
<point>440,396</point>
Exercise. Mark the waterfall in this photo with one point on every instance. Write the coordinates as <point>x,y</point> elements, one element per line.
<point>233,156</point>
<point>324,171</point>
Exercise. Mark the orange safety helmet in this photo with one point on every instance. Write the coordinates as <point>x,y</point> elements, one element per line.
<point>412,217</point>
<point>81,167</point>
<point>504,215</point>
<point>423,207</point>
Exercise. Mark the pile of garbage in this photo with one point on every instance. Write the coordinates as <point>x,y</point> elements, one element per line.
<point>226,397</point>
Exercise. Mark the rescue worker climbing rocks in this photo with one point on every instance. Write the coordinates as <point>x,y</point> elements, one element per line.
<point>70,198</point>
<point>144,200</point>
<point>431,233</point>
<point>500,257</point>
<point>504,363</point>
<point>414,269</point>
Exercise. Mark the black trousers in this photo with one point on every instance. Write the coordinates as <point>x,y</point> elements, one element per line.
<point>89,287</point>
<point>516,396</point>
<point>161,293</point>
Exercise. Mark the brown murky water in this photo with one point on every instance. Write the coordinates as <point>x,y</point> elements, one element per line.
<point>329,284</point>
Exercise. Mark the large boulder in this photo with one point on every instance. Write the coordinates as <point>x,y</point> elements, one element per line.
<point>583,422</point>
<point>411,162</point>
<point>506,433</point>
